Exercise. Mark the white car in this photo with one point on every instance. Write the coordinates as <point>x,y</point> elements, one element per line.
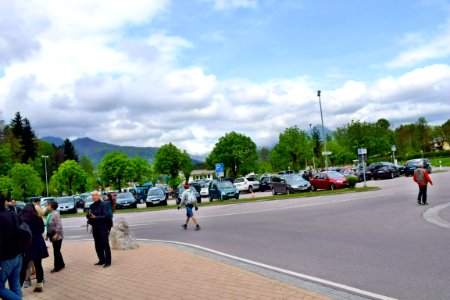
<point>246,184</point>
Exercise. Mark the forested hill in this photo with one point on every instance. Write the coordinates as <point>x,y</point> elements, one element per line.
<point>95,150</point>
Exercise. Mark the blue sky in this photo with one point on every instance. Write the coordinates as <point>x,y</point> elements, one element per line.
<point>146,73</point>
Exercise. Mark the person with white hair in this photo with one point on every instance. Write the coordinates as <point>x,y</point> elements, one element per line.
<point>422,178</point>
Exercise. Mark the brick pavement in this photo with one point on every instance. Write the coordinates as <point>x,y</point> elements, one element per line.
<point>156,271</point>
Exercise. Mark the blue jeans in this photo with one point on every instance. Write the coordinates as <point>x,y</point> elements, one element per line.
<point>10,271</point>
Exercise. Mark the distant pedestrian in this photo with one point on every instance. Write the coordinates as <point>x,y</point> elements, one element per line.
<point>37,250</point>
<point>189,200</point>
<point>13,207</point>
<point>10,257</point>
<point>422,178</point>
<point>37,206</point>
<point>100,219</point>
<point>55,234</point>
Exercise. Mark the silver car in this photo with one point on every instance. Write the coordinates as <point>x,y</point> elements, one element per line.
<point>66,204</point>
<point>156,196</point>
<point>126,199</point>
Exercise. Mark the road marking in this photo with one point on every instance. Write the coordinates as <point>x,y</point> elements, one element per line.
<point>432,215</point>
<point>301,276</point>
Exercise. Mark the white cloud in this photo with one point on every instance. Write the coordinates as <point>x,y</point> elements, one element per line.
<point>233,4</point>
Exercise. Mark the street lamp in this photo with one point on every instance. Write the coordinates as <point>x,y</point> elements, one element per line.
<point>45,163</point>
<point>310,132</point>
<point>323,132</point>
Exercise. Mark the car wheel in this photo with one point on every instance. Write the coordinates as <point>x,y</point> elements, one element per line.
<point>237,197</point>
<point>164,202</point>
<point>148,204</point>
<point>287,191</point>
<point>210,198</point>
<point>250,189</point>
<point>273,192</point>
<point>392,175</point>
<point>332,187</point>
<point>313,188</point>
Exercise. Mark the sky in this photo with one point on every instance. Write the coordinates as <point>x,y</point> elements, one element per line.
<point>152,72</point>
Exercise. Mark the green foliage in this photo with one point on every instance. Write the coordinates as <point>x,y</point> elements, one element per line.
<point>294,146</point>
<point>168,160</point>
<point>236,151</point>
<point>186,165</point>
<point>6,186</point>
<point>6,162</point>
<point>116,169</point>
<point>87,165</point>
<point>69,151</point>
<point>142,169</point>
<point>69,179</point>
<point>352,181</point>
<point>25,181</point>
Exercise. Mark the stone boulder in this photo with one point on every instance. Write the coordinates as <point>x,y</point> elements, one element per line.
<point>121,236</point>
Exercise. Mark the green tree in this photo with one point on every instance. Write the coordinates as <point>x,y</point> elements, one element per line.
<point>69,179</point>
<point>25,181</point>
<point>6,162</point>
<point>29,142</point>
<point>293,144</point>
<point>446,130</point>
<point>116,169</point>
<point>6,186</point>
<point>17,125</point>
<point>69,151</point>
<point>186,165</point>
<point>236,151</point>
<point>87,165</point>
<point>168,160</point>
<point>142,168</point>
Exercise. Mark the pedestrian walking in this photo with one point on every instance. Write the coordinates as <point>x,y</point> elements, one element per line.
<point>99,218</point>
<point>37,250</point>
<point>422,178</point>
<point>55,234</point>
<point>10,257</point>
<point>190,201</point>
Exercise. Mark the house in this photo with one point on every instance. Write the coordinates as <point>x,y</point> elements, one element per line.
<point>440,144</point>
<point>201,174</point>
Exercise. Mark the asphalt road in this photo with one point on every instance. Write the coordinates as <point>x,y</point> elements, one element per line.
<point>375,241</point>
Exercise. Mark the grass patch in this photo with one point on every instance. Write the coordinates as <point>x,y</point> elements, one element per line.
<point>205,201</point>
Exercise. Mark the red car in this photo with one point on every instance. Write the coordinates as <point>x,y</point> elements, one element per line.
<point>328,180</point>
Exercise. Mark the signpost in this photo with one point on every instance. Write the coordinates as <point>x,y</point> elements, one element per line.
<point>220,170</point>
<point>393,149</point>
<point>362,156</point>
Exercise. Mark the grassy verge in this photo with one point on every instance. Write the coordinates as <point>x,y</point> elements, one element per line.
<point>205,201</point>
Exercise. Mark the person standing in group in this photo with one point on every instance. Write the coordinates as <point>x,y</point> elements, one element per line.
<point>37,250</point>
<point>13,207</point>
<point>55,235</point>
<point>37,206</point>
<point>422,178</point>
<point>111,205</point>
<point>100,219</point>
<point>10,258</point>
<point>190,201</point>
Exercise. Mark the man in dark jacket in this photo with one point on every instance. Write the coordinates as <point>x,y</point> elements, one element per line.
<point>100,219</point>
<point>10,258</point>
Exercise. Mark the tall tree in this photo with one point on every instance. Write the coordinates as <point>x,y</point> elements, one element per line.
<point>25,181</point>
<point>69,151</point>
<point>29,142</point>
<point>69,179</point>
<point>116,169</point>
<point>142,168</point>
<point>236,151</point>
<point>293,143</point>
<point>186,165</point>
<point>17,125</point>
<point>168,160</point>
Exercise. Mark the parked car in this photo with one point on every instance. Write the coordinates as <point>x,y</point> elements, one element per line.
<point>204,191</point>
<point>222,190</point>
<point>413,164</point>
<point>181,189</point>
<point>385,170</point>
<point>165,187</point>
<point>87,203</point>
<point>155,196</point>
<point>45,201</point>
<point>126,199</point>
<point>289,183</point>
<point>66,204</point>
<point>79,201</point>
<point>265,183</point>
<point>328,180</point>
<point>247,184</point>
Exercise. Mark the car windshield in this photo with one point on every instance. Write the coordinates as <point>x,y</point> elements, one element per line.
<point>335,175</point>
<point>64,199</point>
<point>226,184</point>
<point>242,179</point>
<point>156,192</point>
<point>124,195</point>
<point>412,163</point>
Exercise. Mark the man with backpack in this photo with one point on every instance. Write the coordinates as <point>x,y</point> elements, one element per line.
<point>190,201</point>
<point>10,256</point>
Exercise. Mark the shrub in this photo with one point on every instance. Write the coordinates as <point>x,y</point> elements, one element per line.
<point>351,181</point>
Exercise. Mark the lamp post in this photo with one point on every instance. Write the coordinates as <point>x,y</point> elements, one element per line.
<point>323,132</point>
<point>45,164</point>
<point>310,132</point>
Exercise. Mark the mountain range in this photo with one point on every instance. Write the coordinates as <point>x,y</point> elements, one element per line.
<point>95,150</point>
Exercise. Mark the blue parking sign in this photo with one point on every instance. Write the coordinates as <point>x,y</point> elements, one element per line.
<point>220,170</point>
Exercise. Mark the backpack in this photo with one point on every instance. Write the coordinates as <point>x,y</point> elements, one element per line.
<point>22,234</point>
<point>191,199</point>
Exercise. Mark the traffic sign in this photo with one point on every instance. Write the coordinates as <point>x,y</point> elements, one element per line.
<point>393,148</point>
<point>326,153</point>
<point>362,151</point>
<point>220,170</point>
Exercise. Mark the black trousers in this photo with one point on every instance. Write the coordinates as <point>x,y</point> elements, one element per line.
<point>101,240</point>
<point>58,258</point>
<point>37,266</point>
<point>422,198</point>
